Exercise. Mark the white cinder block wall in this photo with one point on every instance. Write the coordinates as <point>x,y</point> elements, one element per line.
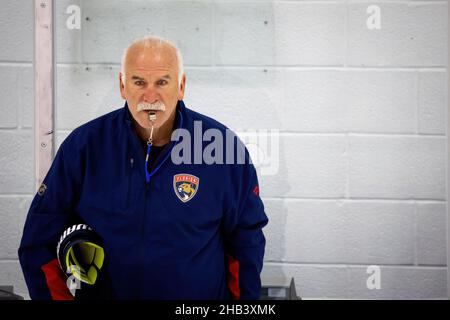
<point>361,113</point>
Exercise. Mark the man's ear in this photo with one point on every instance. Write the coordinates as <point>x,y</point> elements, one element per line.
<point>122,85</point>
<point>182,87</point>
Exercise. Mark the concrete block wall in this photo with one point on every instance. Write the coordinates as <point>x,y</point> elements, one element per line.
<point>362,117</point>
<point>16,134</point>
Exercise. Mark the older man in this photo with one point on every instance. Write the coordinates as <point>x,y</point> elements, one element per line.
<point>169,230</point>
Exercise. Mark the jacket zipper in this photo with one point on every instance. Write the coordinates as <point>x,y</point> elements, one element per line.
<point>130,178</point>
<point>143,242</point>
<point>146,196</point>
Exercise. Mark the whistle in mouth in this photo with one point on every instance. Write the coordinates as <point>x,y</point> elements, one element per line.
<point>152,116</point>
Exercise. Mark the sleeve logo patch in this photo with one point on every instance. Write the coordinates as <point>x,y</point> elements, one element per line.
<point>42,189</point>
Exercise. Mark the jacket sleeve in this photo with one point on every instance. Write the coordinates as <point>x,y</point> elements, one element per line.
<point>244,239</point>
<point>47,217</point>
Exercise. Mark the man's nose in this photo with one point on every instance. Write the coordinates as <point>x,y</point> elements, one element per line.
<point>150,94</point>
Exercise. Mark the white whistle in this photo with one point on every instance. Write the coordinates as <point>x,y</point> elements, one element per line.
<point>152,116</point>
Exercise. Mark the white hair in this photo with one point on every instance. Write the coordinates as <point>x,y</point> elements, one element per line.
<point>153,41</point>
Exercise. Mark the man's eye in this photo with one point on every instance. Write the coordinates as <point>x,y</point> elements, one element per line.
<point>139,83</point>
<point>162,82</point>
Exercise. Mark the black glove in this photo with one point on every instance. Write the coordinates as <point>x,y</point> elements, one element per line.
<point>80,254</point>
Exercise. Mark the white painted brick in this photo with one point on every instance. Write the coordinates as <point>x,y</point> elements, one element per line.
<point>13,211</point>
<point>26,97</point>
<point>84,93</point>
<point>355,101</point>
<point>240,1</point>
<point>396,167</point>
<point>16,96</point>
<point>244,34</point>
<point>399,283</point>
<point>378,232</point>
<point>381,101</point>
<point>314,101</point>
<point>239,98</point>
<point>68,41</point>
<point>112,27</point>
<point>340,232</point>
<point>411,34</point>
<point>431,234</point>
<point>17,162</point>
<point>311,281</point>
<point>309,166</point>
<point>9,96</point>
<point>309,33</point>
<point>275,231</point>
<point>341,282</point>
<point>432,90</point>
<point>11,274</point>
<point>16,30</point>
<point>314,232</point>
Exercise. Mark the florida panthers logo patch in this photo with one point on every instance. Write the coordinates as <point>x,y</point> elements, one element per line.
<point>185,186</point>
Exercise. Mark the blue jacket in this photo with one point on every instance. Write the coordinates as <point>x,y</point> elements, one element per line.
<point>160,241</point>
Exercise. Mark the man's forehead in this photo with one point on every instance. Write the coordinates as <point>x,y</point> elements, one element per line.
<point>151,58</point>
<point>150,73</point>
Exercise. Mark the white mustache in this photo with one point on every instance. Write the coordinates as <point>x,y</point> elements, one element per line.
<point>145,106</point>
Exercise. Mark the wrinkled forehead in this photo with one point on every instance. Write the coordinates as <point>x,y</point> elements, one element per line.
<point>160,57</point>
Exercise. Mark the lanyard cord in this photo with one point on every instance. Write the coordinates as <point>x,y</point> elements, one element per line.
<point>147,175</point>
<point>149,146</point>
